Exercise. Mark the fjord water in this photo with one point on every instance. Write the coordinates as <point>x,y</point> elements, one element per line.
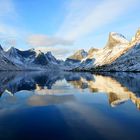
<point>69,106</point>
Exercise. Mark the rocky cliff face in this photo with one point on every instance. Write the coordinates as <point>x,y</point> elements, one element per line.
<point>129,61</point>
<point>118,55</point>
<point>116,39</point>
<point>92,52</point>
<point>79,55</point>
<point>115,47</point>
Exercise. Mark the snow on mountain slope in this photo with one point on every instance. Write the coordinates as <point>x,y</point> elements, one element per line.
<point>6,64</point>
<point>91,53</point>
<point>74,60</point>
<point>14,57</point>
<point>115,47</point>
<point>116,39</point>
<point>40,59</point>
<point>31,59</point>
<point>117,55</point>
<point>130,61</point>
<point>50,58</point>
<point>21,57</point>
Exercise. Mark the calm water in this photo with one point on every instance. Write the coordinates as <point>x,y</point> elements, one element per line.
<point>69,106</point>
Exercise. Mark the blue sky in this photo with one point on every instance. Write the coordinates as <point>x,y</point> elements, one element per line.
<point>64,26</point>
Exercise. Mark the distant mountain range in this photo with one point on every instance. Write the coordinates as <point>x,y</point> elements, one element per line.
<point>119,54</point>
<point>15,59</point>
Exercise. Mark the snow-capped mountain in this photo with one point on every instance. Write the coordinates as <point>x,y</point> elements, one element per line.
<point>91,53</point>
<point>130,61</point>
<point>40,59</point>
<point>26,60</point>
<point>5,63</point>
<point>115,47</point>
<point>76,58</point>
<point>79,55</point>
<point>45,59</point>
<point>21,57</point>
<point>118,55</point>
<point>30,56</point>
<point>51,58</point>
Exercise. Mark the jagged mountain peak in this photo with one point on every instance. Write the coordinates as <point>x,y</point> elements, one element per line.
<point>32,49</point>
<point>39,52</point>
<point>49,52</point>
<point>80,51</point>
<point>116,47</point>
<point>117,36</point>
<point>118,55</point>
<point>79,55</point>
<point>41,59</point>
<point>12,49</point>
<point>91,50</point>
<point>12,52</point>
<point>50,57</point>
<point>116,39</point>
<point>6,63</point>
<point>30,59</point>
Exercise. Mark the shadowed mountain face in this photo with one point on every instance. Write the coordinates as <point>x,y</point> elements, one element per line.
<point>15,59</point>
<point>119,87</point>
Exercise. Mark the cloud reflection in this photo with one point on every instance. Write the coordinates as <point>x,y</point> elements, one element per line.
<point>66,84</point>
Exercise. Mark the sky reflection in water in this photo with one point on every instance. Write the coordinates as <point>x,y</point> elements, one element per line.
<point>69,105</point>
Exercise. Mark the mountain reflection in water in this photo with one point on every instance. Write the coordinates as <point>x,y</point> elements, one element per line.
<point>119,87</point>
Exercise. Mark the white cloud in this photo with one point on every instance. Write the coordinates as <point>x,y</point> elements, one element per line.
<point>86,16</point>
<point>82,18</point>
<point>58,52</point>
<point>41,40</point>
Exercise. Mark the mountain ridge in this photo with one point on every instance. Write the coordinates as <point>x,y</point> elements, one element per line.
<point>114,56</point>
<point>26,60</point>
<point>119,54</point>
